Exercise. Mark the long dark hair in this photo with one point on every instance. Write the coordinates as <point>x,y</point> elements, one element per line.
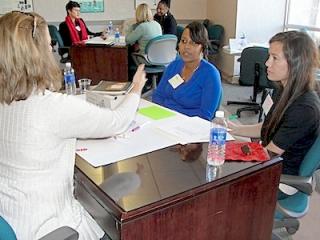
<point>302,58</point>
<point>199,35</point>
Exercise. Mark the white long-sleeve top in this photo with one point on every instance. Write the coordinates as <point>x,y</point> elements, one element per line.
<point>37,154</point>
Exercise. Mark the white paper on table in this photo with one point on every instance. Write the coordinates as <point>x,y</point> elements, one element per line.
<point>105,151</point>
<point>151,136</point>
<point>190,130</point>
<point>99,40</point>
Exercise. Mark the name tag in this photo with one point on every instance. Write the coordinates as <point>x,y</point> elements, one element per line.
<point>267,104</point>
<point>176,81</point>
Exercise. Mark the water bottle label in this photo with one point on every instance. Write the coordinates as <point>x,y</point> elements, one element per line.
<point>69,78</point>
<point>218,136</point>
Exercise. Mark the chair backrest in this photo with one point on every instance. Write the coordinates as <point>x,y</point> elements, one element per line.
<point>161,50</point>
<point>311,161</point>
<point>215,32</point>
<point>179,32</point>
<point>252,57</point>
<point>55,35</point>
<point>6,232</point>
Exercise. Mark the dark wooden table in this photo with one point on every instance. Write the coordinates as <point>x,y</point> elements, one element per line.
<point>158,196</point>
<point>100,63</point>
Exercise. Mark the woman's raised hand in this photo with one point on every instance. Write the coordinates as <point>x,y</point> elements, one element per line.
<point>139,79</point>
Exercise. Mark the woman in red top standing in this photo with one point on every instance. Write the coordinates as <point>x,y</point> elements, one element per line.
<point>74,30</point>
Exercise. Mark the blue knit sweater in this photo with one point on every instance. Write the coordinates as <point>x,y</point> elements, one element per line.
<point>200,96</point>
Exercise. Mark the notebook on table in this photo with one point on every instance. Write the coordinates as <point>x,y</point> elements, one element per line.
<point>112,88</point>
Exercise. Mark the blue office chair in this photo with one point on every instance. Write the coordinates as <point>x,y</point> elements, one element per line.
<point>56,39</point>
<point>179,32</point>
<point>159,52</point>
<point>63,233</point>
<point>291,207</point>
<point>215,34</point>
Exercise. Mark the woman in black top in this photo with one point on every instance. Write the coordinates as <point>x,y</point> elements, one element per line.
<point>292,124</point>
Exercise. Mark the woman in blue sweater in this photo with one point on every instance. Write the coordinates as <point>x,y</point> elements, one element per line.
<point>190,84</point>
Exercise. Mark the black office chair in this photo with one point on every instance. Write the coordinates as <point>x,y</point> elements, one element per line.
<point>253,73</point>
<point>56,39</point>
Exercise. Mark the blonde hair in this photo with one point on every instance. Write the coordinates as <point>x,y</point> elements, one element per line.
<point>26,63</point>
<point>143,13</point>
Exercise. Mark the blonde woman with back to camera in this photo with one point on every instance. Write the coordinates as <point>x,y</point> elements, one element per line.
<point>144,30</point>
<point>39,128</point>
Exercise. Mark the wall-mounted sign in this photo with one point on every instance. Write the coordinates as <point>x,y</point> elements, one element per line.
<point>91,6</point>
<point>15,5</point>
<point>151,3</point>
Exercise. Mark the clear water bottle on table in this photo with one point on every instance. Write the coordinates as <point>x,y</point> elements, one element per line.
<point>117,35</point>
<point>110,28</point>
<point>217,142</point>
<point>69,80</point>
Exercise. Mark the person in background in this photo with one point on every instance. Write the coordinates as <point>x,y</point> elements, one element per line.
<point>144,29</point>
<point>165,18</point>
<point>74,30</point>
<point>190,84</point>
<point>38,132</point>
<point>292,124</point>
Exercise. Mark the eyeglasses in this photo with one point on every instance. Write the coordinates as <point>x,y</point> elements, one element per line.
<point>34,21</point>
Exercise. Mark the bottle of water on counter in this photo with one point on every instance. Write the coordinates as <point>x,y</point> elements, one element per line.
<point>69,79</point>
<point>243,40</point>
<point>117,36</point>
<point>217,142</point>
<point>110,28</point>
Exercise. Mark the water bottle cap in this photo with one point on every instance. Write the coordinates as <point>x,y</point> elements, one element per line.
<point>220,114</point>
<point>68,64</point>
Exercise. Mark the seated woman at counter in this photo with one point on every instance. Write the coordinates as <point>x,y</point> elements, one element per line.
<point>292,124</point>
<point>190,84</point>
<point>74,30</point>
<point>144,29</point>
<point>39,128</point>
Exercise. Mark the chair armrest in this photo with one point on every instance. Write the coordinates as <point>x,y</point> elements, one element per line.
<point>303,184</point>
<point>62,233</point>
<point>139,58</point>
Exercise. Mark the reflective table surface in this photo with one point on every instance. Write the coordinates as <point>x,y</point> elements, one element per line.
<point>150,178</point>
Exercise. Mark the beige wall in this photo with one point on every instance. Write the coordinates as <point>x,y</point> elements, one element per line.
<point>259,20</point>
<point>224,13</point>
<point>189,9</point>
<point>54,11</point>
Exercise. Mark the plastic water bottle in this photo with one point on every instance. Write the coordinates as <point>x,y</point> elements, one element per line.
<point>243,40</point>
<point>117,36</point>
<point>212,172</point>
<point>110,28</point>
<point>69,79</point>
<point>217,142</point>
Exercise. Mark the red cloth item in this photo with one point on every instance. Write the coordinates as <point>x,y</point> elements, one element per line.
<point>73,31</point>
<point>257,152</point>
